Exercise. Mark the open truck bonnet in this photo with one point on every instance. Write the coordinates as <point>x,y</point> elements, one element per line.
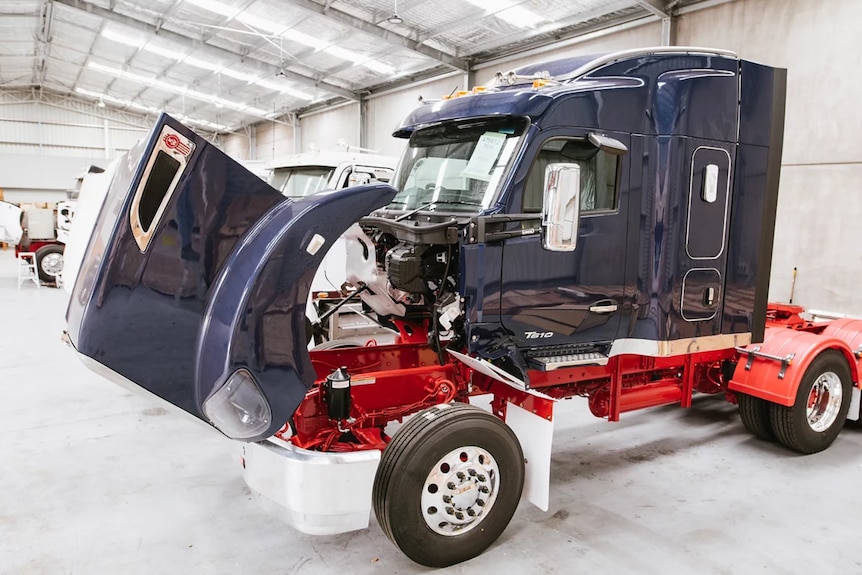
<point>195,281</point>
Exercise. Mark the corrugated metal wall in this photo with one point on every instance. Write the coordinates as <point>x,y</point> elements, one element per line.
<point>330,130</point>
<point>44,130</point>
<point>43,148</point>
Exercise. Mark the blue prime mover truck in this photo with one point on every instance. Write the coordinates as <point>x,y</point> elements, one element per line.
<point>599,226</point>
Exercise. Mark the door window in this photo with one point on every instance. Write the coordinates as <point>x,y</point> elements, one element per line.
<point>599,174</point>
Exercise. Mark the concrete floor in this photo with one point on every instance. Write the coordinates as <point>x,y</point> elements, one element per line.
<point>98,480</point>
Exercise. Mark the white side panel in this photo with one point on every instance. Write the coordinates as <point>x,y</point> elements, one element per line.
<point>536,435</point>
<point>10,226</point>
<point>94,188</point>
<point>317,493</point>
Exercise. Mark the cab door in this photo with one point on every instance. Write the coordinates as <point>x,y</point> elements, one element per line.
<point>564,307</point>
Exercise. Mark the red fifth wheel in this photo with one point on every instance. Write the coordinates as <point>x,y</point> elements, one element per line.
<point>448,484</point>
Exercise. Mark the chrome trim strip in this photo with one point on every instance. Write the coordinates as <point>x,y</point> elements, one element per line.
<point>180,149</point>
<point>667,348</point>
<point>626,54</point>
<point>682,296</point>
<point>691,199</point>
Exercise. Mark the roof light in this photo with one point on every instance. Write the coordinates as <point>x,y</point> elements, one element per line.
<point>123,38</point>
<point>172,87</point>
<point>260,23</point>
<point>337,52</point>
<point>150,110</point>
<point>508,11</point>
<point>216,7</point>
<point>281,88</point>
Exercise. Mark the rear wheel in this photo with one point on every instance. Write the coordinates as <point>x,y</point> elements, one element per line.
<point>49,262</point>
<point>813,422</point>
<point>448,484</point>
<point>754,413</point>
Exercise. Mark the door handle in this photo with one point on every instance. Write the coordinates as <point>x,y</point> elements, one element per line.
<point>610,308</point>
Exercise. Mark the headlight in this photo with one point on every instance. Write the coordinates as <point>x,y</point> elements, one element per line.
<point>239,409</point>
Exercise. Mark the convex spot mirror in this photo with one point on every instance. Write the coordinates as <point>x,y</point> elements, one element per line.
<point>561,207</point>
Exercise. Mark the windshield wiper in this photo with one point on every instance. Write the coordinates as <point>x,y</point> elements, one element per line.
<point>414,211</point>
<point>432,204</point>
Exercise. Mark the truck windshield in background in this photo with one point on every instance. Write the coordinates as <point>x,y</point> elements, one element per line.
<point>457,166</point>
<point>302,181</point>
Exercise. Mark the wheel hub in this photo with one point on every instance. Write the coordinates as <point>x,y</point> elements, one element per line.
<point>460,490</point>
<point>52,264</point>
<point>824,401</point>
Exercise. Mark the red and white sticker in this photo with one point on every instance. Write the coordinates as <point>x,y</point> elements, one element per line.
<point>173,142</point>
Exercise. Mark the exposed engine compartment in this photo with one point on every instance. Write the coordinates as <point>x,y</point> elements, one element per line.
<point>409,268</point>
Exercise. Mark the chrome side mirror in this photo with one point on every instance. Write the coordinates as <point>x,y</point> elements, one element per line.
<point>561,207</point>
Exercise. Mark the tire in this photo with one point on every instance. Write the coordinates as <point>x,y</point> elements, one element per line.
<point>813,422</point>
<point>49,262</point>
<point>448,484</point>
<point>754,413</point>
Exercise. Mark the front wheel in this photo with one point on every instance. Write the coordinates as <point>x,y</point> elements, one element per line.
<point>49,262</point>
<point>448,484</point>
<point>814,420</point>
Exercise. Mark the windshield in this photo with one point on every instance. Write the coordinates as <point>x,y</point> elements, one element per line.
<point>300,182</point>
<point>456,166</point>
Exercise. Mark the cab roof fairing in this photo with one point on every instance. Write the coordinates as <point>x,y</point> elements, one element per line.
<point>526,101</point>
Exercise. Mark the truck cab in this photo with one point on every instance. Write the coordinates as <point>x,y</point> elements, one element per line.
<point>588,208</point>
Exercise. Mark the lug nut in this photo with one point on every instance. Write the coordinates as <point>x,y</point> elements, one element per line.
<point>450,485</point>
<point>460,475</point>
<point>450,511</point>
<point>472,472</point>
<point>481,478</point>
<point>471,513</point>
<point>447,499</point>
<point>459,516</point>
<point>480,503</point>
<point>484,489</point>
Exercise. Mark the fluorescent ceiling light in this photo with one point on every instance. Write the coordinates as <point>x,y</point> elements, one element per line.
<point>122,38</point>
<point>337,52</point>
<point>260,23</point>
<point>203,64</point>
<point>173,87</point>
<point>216,7</point>
<point>281,88</point>
<point>293,35</point>
<point>506,10</point>
<point>151,110</point>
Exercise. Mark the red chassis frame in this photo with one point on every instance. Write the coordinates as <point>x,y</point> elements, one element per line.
<point>391,382</point>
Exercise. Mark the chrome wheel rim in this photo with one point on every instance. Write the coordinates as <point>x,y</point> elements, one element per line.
<point>460,491</point>
<point>824,401</point>
<point>52,264</point>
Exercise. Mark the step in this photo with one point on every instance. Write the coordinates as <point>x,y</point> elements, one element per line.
<point>550,363</point>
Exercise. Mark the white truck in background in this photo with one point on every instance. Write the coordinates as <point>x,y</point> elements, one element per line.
<point>301,175</point>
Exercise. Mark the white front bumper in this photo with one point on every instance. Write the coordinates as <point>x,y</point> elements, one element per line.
<point>318,493</point>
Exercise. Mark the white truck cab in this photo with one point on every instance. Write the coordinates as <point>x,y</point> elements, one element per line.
<point>301,175</point>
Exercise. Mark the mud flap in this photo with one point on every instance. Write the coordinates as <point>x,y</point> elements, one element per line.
<point>197,274</point>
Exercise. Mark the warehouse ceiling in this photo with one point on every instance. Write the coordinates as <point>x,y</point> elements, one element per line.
<point>224,64</point>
